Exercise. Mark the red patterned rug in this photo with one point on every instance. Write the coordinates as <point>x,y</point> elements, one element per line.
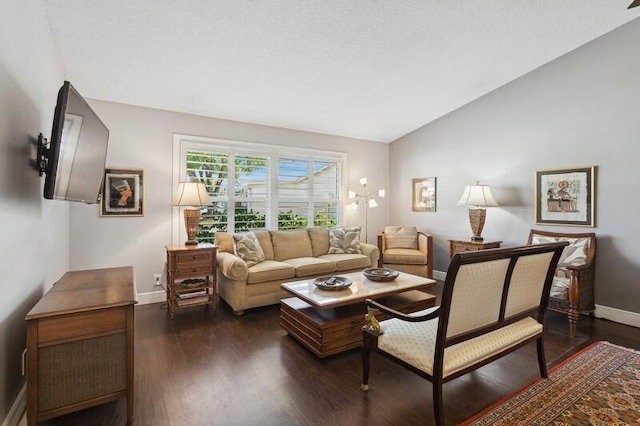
<point>599,385</point>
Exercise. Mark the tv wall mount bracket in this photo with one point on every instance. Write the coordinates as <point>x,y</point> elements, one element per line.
<point>42,155</point>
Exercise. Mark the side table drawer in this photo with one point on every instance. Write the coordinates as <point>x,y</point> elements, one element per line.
<point>464,247</point>
<point>197,268</point>
<point>197,257</point>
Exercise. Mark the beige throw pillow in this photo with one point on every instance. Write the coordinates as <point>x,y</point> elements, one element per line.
<point>344,240</point>
<point>401,237</point>
<point>248,248</point>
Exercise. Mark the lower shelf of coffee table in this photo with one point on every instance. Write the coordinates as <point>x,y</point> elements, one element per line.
<point>331,331</point>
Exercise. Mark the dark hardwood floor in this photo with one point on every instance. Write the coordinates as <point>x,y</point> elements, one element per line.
<point>211,368</point>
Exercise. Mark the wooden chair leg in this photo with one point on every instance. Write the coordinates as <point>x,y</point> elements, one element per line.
<point>574,303</point>
<point>438,407</point>
<point>365,355</point>
<point>542,363</point>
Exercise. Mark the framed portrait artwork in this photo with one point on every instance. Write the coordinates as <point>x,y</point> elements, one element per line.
<point>566,197</point>
<point>122,193</point>
<point>424,194</point>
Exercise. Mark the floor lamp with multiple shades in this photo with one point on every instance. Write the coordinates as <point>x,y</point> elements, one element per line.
<point>477,197</point>
<point>192,196</point>
<point>368,198</point>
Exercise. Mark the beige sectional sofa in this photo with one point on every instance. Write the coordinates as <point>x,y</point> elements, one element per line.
<point>286,256</point>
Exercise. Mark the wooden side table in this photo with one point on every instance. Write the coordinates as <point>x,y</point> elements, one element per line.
<point>459,246</point>
<point>191,276</point>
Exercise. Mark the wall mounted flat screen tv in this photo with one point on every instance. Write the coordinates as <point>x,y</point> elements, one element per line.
<point>75,158</point>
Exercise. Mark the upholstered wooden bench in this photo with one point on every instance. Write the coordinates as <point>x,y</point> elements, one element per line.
<point>493,303</point>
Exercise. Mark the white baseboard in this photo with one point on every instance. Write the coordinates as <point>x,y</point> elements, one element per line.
<point>439,275</point>
<point>618,315</point>
<point>17,409</point>
<point>152,297</point>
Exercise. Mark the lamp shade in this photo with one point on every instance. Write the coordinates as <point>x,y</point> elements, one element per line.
<point>191,194</point>
<point>477,196</point>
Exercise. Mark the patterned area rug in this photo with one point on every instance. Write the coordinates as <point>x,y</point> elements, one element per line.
<point>599,385</point>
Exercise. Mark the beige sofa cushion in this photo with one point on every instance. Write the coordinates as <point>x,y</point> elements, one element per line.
<point>270,270</point>
<point>306,266</point>
<point>345,262</point>
<point>225,243</point>
<point>264,238</point>
<point>401,237</point>
<point>319,241</point>
<point>291,244</point>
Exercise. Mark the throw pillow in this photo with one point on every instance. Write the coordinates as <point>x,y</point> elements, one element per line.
<point>401,237</point>
<point>573,254</point>
<point>344,240</point>
<point>248,248</point>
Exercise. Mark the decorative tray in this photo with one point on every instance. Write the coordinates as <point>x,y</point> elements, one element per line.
<point>380,274</point>
<point>332,283</point>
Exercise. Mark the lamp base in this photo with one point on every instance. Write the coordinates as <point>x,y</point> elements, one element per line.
<point>476,218</point>
<point>191,222</point>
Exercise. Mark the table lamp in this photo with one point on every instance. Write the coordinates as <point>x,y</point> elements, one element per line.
<point>191,195</point>
<point>477,197</point>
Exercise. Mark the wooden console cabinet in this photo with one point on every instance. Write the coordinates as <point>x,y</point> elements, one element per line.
<point>80,344</point>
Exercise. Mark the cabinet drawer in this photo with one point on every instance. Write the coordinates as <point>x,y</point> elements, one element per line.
<point>66,327</point>
<point>199,257</point>
<point>462,247</point>
<point>193,269</point>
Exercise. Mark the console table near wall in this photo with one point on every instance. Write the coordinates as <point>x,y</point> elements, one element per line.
<point>80,344</point>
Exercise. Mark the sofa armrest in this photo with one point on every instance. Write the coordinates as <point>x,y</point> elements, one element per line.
<point>232,266</point>
<point>372,251</point>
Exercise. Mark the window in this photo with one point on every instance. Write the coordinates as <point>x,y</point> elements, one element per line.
<point>260,186</point>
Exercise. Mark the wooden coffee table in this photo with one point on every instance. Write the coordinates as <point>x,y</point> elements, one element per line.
<point>330,321</point>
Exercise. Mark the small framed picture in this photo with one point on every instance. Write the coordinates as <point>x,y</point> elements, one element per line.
<point>424,194</point>
<point>566,197</point>
<point>122,193</point>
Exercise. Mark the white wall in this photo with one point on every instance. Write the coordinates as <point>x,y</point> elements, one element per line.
<point>142,138</point>
<point>34,248</point>
<point>579,110</point>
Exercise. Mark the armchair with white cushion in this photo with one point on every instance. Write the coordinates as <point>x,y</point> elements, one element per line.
<point>572,289</point>
<point>405,249</point>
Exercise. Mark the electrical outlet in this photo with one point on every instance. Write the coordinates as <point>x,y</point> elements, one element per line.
<point>157,280</point>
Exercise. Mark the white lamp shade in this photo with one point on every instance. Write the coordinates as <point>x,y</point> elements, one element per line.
<point>381,193</point>
<point>372,203</point>
<point>353,206</point>
<point>352,195</point>
<point>191,194</point>
<point>477,196</point>
<point>363,181</point>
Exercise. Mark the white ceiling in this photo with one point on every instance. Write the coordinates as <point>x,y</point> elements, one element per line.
<point>369,69</point>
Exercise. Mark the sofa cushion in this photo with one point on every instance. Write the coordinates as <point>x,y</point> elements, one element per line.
<point>248,248</point>
<point>225,243</point>
<point>306,266</point>
<point>404,256</point>
<point>401,237</point>
<point>344,239</point>
<point>319,241</point>
<point>270,270</point>
<point>264,238</point>
<point>291,244</point>
<point>346,262</point>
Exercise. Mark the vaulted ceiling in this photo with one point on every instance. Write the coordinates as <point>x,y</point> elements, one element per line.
<point>369,69</point>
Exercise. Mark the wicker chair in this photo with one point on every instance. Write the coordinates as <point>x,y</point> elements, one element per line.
<point>572,290</point>
<point>405,249</point>
<point>493,302</point>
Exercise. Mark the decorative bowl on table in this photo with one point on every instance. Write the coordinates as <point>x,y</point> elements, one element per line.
<point>332,282</point>
<point>380,274</point>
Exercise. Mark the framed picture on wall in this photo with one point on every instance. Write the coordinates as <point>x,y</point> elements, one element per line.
<point>424,194</point>
<point>566,197</point>
<point>122,193</point>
